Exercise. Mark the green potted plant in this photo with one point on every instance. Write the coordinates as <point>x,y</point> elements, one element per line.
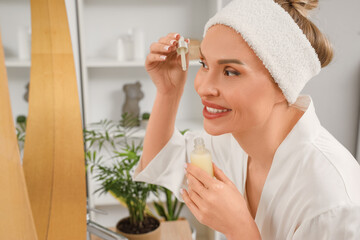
<point>115,178</point>
<point>170,210</point>
<point>145,119</point>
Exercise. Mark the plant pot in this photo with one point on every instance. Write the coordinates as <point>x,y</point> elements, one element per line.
<point>179,227</point>
<point>144,123</point>
<point>193,230</point>
<point>153,234</point>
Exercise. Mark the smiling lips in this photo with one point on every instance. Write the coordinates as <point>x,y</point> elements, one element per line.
<point>212,111</point>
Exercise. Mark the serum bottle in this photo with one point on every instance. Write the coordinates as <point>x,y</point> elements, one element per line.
<point>201,157</point>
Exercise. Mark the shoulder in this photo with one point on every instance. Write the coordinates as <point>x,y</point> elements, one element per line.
<point>327,171</point>
<point>340,161</point>
<point>340,222</point>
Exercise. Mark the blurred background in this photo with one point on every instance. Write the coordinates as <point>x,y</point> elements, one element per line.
<point>111,39</point>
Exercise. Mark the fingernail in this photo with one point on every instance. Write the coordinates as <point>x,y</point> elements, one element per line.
<point>185,166</point>
<point>176,35</point>
<point>172,42</point>
<point>163,57</point>
<point>182,191</point>
<point>166,48</point>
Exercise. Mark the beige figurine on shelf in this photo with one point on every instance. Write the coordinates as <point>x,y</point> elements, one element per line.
<point>133,95</point>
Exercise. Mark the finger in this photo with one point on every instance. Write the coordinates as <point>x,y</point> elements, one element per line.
<point>161,48</point>
<point>170,39</point>
<point>155,57</point>
<point>174,35</point>
<point>220,175</point>
<point>190,204</point>
<point>194,196</point>
<point>196,186</point>
<point>200,175</point>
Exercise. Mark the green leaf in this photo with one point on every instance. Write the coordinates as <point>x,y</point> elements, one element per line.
<point>160,210</point>
<point>174,207</point>
<point>179,210</point>
<point>169,202</point>
<point>184,131</point>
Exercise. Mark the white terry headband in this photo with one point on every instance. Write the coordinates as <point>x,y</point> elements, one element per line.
<point>276,39</point>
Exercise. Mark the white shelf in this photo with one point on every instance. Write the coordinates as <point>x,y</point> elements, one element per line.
<point>16,62</point>
<point>108,62</point>
<point>193,125</point>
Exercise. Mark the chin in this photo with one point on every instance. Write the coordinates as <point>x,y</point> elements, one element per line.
<point>213,129</point>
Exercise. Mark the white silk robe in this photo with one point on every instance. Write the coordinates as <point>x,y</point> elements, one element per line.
<point>312,190</point>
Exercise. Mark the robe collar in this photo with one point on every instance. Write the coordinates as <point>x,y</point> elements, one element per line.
<point>305,130</point>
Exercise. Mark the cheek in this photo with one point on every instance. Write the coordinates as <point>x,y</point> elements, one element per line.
<point>253,103</point>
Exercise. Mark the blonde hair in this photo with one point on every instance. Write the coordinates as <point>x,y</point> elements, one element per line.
<point>298,10</point>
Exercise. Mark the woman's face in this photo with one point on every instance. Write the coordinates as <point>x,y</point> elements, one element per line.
<point>236,89</point>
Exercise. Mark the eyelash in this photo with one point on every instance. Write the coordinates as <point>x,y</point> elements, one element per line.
<point>232,72</point>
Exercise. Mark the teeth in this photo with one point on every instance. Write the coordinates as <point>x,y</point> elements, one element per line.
<point>214,110</point>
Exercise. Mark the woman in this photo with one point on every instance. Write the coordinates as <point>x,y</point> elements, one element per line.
<point>281,175</point>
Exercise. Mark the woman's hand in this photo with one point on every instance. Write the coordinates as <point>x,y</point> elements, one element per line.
<point>164,65</point>
<point>218,204</point>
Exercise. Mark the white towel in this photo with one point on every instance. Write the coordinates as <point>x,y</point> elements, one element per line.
<point>276,39</point>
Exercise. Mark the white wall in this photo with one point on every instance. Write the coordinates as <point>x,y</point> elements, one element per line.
<point>336,90</point>
<point>13,15</point>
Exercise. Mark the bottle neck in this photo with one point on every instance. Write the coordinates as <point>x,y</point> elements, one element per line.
<point>199,148</point>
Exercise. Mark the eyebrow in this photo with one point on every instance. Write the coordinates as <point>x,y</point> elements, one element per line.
<point>224,61</point>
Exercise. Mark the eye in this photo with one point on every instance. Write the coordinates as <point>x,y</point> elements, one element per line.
<point>203,64</point>
<point>231,73</point>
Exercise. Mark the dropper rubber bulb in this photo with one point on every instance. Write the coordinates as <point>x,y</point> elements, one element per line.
<point>182,50</point>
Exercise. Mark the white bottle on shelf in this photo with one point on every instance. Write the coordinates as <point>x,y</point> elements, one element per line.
<point>121,45</point>
<point>24,42</point>
<point>139,43</point>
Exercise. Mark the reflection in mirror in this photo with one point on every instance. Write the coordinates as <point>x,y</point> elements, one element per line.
<point>15,26</point>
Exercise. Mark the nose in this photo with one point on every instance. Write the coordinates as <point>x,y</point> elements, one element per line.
<point>206,84</point>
